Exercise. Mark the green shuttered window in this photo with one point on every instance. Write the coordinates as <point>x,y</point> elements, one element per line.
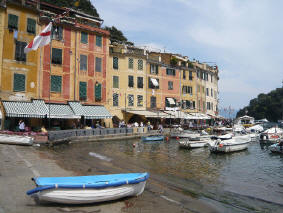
<point>115,63</point>
<point>98,62</point>
<point>56,83</point>
<point>83,88</point>
<point>12,21</point>
<point>140,101</point>
<point>131,63</point>
<point>115,81</point>
<point>31,25</point>
<point>56,56</point>
<point>97,92</point>
<point>131,81</point>
<point>98,41</point>
<point>140,82</point>
<point>83,62</point>
<point>115,99</point>
<point>19,51</point>
<point>84,37</point>
<point>130,100</point>
<point>140,64</point>
<point>19,82</point>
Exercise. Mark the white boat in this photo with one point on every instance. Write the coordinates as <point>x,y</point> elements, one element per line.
<point>236,143</point>
<point>276,148</point>
<point>193,144</point>
<point>16,139</point>
<point>88,189</point>
<point>272,135</point>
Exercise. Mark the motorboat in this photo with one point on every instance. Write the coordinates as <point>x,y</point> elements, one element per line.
<point>254,132</point>
<point>188,144</point>
<point>236,143</point>
<point>276,148</point>
<point>153,138</point>
<point>88,189</point>
<point>272,135</point>
<point>16,139</point>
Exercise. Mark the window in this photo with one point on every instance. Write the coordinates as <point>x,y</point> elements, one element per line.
<point>188,104</point>
<point>31,25</point>
<point>83,62</point>
<point>154,69</point>
<point>84,37</point>
<point>208,105</point>
<point>131,63</point>
<point>190,75</point>
<point>140,82</point>
<point>56,83</point>
<point>168,104</point>
<point>97,92</point>
<point>56,56</point>
<point>211,78</point>
<point>115,81</point>
<point>57,32</point>
<point>170,72</point>
<point>187,90</point>
<point>131,81</point>
<point>170,85</point>
<point>207,91</point>
<point>140,101</point>
<point>184,74</point>
<point>115,63</point>
<point>152,102</point>
<point>19,52</point>
<point>98,41</point>
<point>211,92</point>
<point>151,85</point>
<point>19,82</point>
<point>140,64</point>
<point>198,74</point>
<point>130,100</point>
<point>98,62</point>
<point>12,21</point>
<point>82,92</point>
<point>194,104</point>
<point>115,99</point>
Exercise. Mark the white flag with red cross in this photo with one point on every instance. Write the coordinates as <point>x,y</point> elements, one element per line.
<point>40,40</point>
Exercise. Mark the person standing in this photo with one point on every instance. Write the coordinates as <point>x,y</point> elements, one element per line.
<point>21,126</point>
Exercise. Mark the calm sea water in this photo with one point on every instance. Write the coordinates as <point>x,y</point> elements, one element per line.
<point>246,181</point>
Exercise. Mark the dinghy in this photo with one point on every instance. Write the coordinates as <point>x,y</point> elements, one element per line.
<point>153,138</point>
<point>236,143</point>
<point>16,139</point>
<point>88,189</point>
<point>193,144</point>
<point>276,148</point>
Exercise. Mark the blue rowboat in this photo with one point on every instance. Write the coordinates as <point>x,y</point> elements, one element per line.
<point>88,189</point>
<point>153,138</point>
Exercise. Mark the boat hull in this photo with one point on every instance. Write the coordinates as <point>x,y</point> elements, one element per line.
<point>229,148</point>
<point>16,140</point>
<point>85,196</point>
<point>152,138</point>
<point>192,144</point>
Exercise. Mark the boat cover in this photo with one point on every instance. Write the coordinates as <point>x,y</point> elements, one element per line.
<point>97,181</point>
<point>153,138</point>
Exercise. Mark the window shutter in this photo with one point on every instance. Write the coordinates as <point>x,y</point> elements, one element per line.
<point>84,37</point>
<point>98,64</point>
<point>23,54</point>
<point>83,62</point>
<point>56,83</point>
<point>98,92</point>
<point>82,92</point>
<point>131,81</point>
<point>18,51</point>
<point>98,41</point>
<point>115,82</point>
<point>140,64</point>
<point>115,99</point>
<point>31,24</point>
<point>12,21</point>
<point>131,63</point>
<point>19,82</point>
<point>115,63</point>
<point>60,33</point>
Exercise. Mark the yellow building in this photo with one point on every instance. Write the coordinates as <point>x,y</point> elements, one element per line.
<point>126,78</point>
<point>19,74</point>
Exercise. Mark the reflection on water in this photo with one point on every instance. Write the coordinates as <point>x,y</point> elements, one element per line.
<point>245,178</point>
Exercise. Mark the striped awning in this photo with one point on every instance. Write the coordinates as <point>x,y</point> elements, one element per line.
<point>149,114</point>
<point>22,109</point>
<point>63,111</point>
<point>90,111</point>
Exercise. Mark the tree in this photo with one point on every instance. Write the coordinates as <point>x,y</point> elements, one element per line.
<point>117,35</point>
<point>82,5</point>
<point>268,106</point>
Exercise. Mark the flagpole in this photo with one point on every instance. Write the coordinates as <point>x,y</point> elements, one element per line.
<point>49,124</point>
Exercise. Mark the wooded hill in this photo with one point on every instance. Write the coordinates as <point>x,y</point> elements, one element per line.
<point>268,106</point>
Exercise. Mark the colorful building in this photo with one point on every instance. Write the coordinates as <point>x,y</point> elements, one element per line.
<point>127,82</point>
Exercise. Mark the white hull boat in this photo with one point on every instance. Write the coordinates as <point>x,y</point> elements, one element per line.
<point>272,135</point>
<point>88,189</point>
<point>16,139</point>
<point>234,144</point>
<point>188,144</point>
<point>254,136</point>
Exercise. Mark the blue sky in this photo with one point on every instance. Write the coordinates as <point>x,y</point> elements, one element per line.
<point>243,37</point>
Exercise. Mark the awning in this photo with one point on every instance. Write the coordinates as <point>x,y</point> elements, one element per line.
<point>22,109</point>
<point>154,82</point>
<point>171,101</point>
<point>62,111</point>
<point>149,114</point>
<point>178,114</point>
<point>90,111</point>
<point>199,116</point>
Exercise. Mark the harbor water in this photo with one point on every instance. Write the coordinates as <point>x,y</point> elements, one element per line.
<point>246,181</point>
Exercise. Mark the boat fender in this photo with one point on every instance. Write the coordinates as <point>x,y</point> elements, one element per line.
<point>167,138</point>
<point>220,145</point>
<point>177,138</point>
